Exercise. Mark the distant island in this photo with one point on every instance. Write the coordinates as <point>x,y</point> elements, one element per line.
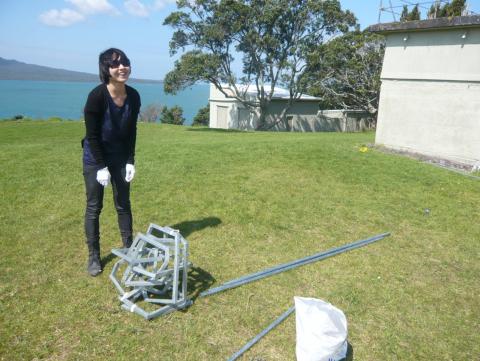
<point>16,70</point>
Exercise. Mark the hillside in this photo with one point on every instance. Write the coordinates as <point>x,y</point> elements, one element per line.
<point>16,70</point>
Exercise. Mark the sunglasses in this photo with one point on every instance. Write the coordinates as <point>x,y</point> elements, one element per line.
<point>114,64</point>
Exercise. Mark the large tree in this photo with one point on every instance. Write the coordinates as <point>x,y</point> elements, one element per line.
<point>274,40</point>
<point>345,72</point>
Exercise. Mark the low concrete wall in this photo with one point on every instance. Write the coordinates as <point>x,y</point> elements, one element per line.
<point>334,121</point>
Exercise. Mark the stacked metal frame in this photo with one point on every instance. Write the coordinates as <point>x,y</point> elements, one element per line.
<point>155,270</point>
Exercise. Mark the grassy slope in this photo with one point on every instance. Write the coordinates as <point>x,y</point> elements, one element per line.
<point>244,201</point>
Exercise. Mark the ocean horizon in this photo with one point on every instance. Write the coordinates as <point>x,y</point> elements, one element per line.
<point>64,99</point>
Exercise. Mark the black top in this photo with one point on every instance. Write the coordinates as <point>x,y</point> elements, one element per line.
<point>110,130</point>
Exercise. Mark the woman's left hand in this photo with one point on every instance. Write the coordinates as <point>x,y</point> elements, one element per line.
<point>129,172</point>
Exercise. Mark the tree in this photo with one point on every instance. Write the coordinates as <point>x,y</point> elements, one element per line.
<point>347,75</point>
<point>454,8</point>
<point>410,16</point>
<point>173,115</point>
<point>273,38</point>
<point>202,117</point>
<point>414,14</point>
<point>404,15</point>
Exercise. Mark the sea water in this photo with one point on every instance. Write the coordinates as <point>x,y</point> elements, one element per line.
<point>45,99</point>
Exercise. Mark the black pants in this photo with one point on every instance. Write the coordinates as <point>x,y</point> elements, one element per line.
<point>121,199</point>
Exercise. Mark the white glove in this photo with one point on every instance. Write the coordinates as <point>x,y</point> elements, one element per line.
<point>129,172</point>
<point>103,176</point>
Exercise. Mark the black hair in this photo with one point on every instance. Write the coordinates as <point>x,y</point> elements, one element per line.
<point>109,58</point>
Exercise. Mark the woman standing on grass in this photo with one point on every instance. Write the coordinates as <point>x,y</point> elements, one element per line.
<point>111,115</point>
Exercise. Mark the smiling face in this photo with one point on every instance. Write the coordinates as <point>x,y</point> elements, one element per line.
<point>119,74</point>
<point>119,69</point>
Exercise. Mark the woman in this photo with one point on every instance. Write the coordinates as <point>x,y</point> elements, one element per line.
<point>111,115</point>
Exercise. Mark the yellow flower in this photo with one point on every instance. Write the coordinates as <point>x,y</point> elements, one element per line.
<point>363,149</point>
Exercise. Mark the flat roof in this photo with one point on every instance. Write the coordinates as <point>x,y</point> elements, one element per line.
<point>278,93</point>
<point>430,24</point>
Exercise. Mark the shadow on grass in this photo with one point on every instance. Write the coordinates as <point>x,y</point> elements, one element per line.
<point>186,228</point>
<point>349,353</point>
<point>107,259</point>
<point>199,280</point>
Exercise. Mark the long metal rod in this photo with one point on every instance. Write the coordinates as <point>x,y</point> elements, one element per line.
<point>325,254</point>
<point>254,340</point>
<point>293,264</point>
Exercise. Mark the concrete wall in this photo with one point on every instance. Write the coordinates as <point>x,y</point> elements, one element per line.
<point>303,116</point>
<point>430,94</point>
<point>336,121</point>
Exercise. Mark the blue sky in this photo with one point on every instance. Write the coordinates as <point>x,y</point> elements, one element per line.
<point>70,34</point>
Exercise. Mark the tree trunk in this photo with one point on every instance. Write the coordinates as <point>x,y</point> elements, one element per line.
<point>262,118</point>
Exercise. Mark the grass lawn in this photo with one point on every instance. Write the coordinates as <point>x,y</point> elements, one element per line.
<point>245,201</point>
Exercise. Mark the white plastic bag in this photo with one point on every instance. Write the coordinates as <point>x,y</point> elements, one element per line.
<point>321,331</point>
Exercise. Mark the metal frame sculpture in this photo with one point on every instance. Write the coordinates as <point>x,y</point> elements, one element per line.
<point>155,271</point>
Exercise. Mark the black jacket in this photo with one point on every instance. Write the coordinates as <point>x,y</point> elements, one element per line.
<point>94,112</point>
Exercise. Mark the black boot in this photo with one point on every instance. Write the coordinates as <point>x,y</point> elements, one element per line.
<point>94,267</point>
<point>127,242</point>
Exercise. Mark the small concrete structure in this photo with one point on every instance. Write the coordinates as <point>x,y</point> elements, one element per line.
<point>430,92</point>
<point>303,116</point>
<point>229,113</point>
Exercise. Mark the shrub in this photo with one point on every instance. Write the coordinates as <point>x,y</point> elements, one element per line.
<point>173,115</point>
<point>202,117</point>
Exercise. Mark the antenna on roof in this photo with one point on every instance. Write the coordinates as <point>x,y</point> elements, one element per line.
<point>380,11</point>
<point>387,9</point>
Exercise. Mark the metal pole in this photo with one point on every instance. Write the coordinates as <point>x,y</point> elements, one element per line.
<point>325,254</point>
<point>254,340</point>
<point>293,264</point>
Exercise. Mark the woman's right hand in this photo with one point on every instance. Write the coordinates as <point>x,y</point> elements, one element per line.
<point>103,176</point>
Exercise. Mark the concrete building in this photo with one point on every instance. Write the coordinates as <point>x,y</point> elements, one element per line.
<point>430,92</point>
<point>229,113</point>
<point>303,116</point>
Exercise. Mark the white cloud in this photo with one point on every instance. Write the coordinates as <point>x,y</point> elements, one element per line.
<point>64,17</point>
<point>90,7</point>
<point>160,4</point>
<point>136,8</point>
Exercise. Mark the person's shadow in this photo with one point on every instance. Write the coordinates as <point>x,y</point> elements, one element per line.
<point>186,228</point>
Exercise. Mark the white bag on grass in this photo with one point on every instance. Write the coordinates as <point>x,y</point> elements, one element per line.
<point>321,331</point>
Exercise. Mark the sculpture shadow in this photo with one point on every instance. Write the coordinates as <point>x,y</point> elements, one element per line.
<point>186,228</point>
<point>199,280</point>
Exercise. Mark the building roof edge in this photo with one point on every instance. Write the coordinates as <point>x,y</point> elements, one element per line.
<point>424,25</point>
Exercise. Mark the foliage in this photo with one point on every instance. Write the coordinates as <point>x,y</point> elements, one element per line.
<point>406,15</point>
<point>274,39</point>
<point>453,8</point>
<point>412,296</point>
<point>174,115</point>
<point>151,113</point>
<point>202,117</point>
<point>345,72</point>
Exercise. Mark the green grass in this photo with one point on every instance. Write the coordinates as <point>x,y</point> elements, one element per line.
<point>244,201</point>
